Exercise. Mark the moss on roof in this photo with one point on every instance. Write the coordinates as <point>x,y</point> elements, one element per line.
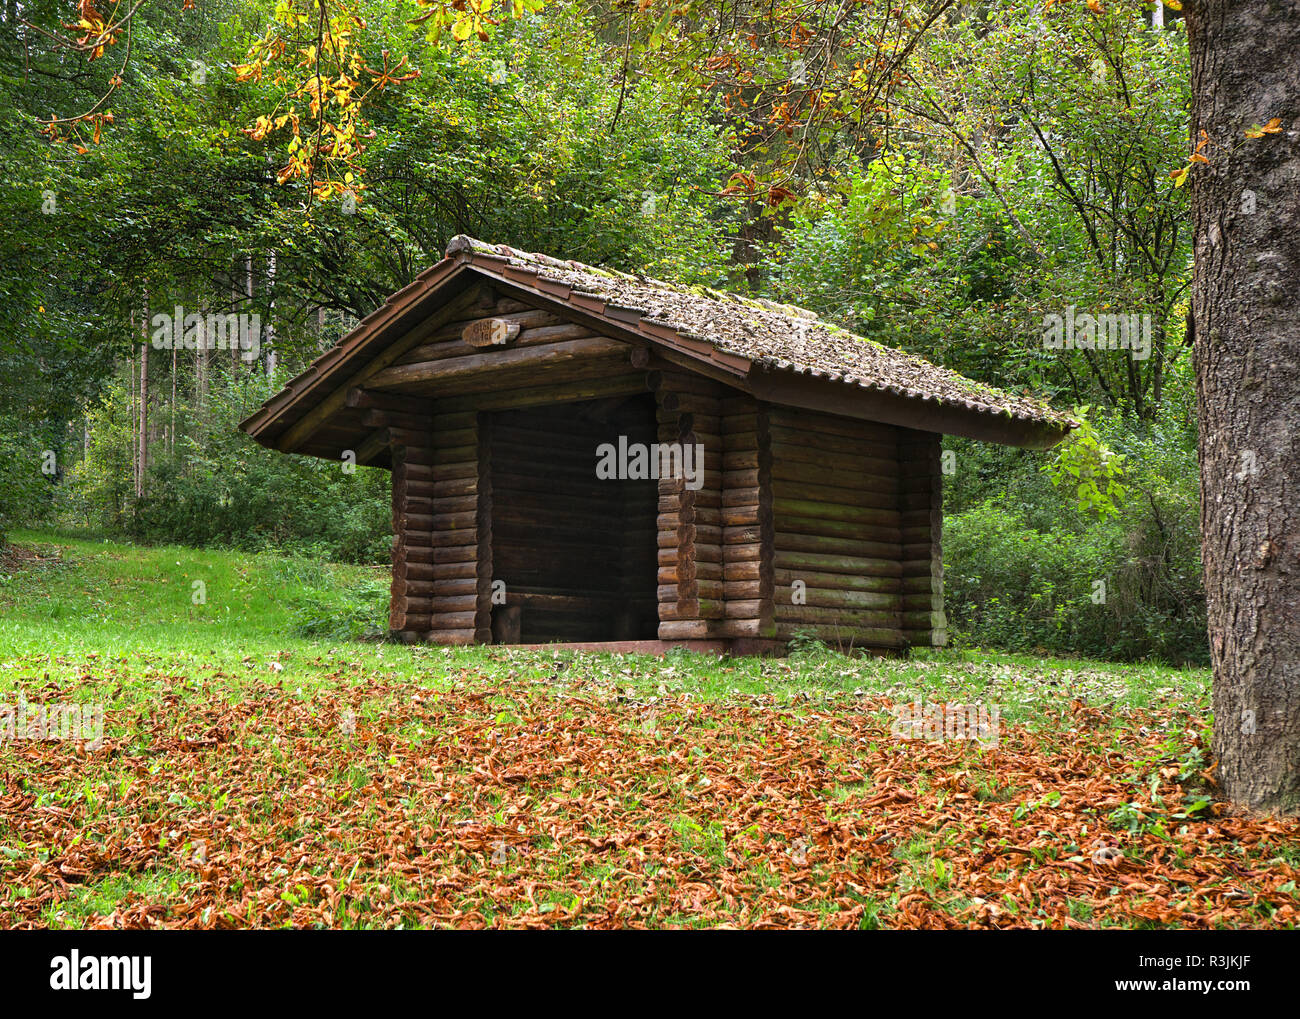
<point>782,336</point>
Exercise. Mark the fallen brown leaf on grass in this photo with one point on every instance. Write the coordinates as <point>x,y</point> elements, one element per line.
<point>479,809</point>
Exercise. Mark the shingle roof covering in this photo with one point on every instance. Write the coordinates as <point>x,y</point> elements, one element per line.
<point>734,333</point>
<point>764,332</point>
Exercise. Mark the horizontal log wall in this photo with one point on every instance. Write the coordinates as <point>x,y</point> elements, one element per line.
<point>535,326</point>
<point>691,597</point>
<point>405,425</point>
<point>485,513</point>
<point>398,609</point>
<point>747,521</point>
<point>837,529</point>
<point>412,453</point>
<point>440,511</point>
<point>637,519</point>
<point>921,499</point>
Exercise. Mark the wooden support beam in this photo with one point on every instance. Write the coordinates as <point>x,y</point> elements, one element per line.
<point>377,442</point>
<point>460,369</point>
<point>372,399</point>
<point>490,332</point>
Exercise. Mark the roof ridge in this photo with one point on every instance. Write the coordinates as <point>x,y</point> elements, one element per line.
<point>464,243</point>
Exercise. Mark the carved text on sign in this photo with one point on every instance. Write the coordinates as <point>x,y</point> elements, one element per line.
<point>490,332</point>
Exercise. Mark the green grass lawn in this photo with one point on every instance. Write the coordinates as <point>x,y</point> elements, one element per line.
<point>266,761</point>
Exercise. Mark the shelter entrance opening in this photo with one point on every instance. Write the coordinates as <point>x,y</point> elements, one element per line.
<point>574,554</point>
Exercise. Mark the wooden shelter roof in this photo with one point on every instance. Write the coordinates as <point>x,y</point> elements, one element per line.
<point>776,352</point>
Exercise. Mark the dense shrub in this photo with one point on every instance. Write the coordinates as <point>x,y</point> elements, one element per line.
<point>28,490</point>
<point>219,488</point>
<point>250,498</point>
<point>1021,565</point>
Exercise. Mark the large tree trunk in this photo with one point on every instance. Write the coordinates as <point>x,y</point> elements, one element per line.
<point>1246,314</point>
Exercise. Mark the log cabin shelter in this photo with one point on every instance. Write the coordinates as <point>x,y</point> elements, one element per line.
<point>542,420</point>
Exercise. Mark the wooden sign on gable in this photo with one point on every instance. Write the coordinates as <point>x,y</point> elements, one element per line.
<point>490,332</point>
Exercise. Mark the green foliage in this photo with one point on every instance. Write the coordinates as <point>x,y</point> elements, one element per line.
<point>26,494</point>
<point>235,494</point>
<point>1056,201</point>
<point>1095,472</point>
<point>1022,566</point>
<point>355,613</point>
<point>516,138</point>
<point>100,484</point>
<point>899,257</point>
<point>1065,123</point>
<point>224,490</point>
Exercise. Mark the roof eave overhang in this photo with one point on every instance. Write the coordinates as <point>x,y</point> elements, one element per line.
<point>846,398</point>
<point>335,368</point>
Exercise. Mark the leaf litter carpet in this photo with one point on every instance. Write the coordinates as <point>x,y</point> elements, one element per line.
<point>386,804</point>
